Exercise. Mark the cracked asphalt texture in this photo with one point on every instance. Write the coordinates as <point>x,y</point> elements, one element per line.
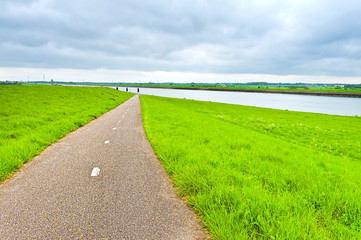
<point>54,196</point>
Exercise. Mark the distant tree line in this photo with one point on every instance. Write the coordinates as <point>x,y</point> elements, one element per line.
<point>9,83</point>
<point>352,85</point>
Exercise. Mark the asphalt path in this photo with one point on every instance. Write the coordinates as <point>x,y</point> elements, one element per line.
<point>102,181</point>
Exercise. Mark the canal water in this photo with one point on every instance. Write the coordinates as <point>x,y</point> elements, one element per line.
<point>304,103</point>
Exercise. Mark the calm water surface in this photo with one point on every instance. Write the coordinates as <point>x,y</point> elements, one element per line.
<point>304,103</point>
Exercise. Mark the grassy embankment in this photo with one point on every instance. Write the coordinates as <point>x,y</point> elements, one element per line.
<point>33,117</point>
<point>261,173</point>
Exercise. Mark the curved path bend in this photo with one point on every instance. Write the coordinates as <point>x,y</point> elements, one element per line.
<point>55,197</point>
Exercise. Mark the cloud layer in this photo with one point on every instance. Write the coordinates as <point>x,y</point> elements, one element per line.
<point>299,37</point>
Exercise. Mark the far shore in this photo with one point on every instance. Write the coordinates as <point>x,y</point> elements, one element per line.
<point>315,93</point>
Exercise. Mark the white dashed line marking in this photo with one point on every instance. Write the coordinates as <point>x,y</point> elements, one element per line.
<point>114,128</point>
<point>95,172</point>
<point>106,142</point>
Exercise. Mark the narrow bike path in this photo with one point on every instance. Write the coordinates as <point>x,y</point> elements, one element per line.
<point>129,195</point>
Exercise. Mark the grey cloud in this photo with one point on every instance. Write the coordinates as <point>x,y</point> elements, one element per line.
<point>271,37</point>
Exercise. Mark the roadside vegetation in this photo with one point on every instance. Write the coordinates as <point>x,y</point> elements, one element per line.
<point>261,173</point>
<point>33,117</point>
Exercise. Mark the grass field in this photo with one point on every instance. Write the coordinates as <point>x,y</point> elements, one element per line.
<point>261,173</point>
<point>33,117</point>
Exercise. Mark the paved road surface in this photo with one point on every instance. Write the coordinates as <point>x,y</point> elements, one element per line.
<point>55,196</point>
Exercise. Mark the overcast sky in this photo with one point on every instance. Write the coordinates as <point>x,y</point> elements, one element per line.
<point>147,40</point>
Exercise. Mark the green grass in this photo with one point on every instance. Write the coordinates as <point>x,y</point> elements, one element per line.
<point>33,117</point>
<point>261,173</point>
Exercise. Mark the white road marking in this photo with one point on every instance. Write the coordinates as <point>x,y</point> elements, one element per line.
<point>95,172</point>
<point>106,142</point>
<point>114,128</point>
<point>124,113</point>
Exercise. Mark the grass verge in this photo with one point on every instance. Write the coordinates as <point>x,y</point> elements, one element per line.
<point>33,117</point>
<point>261,173</point>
